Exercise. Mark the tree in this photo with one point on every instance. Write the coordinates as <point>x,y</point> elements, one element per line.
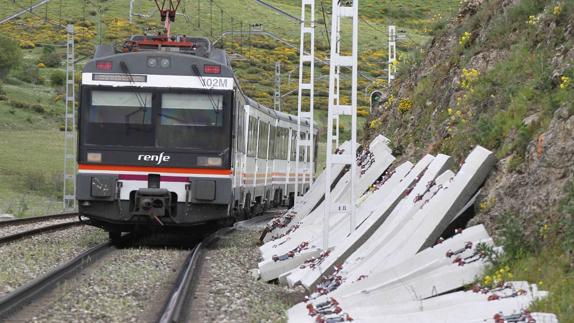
<point>10,55</point>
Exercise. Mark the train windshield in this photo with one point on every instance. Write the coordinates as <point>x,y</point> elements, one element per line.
<point>195,120</point>
<point>120,107</point>
<point>195,110</point>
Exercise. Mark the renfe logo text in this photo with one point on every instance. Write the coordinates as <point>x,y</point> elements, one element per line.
<point>158,159</point>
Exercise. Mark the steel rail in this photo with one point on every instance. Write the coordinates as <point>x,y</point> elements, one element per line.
<point>36,288</point>
<point>175,309</point>
<point>36,231</point>
<point>37,219</point>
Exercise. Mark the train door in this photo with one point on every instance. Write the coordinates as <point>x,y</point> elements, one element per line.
<point>263,142</point>
<point>250,165</point>
<point>269,163</point>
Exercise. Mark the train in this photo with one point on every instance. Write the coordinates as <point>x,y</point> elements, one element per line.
<point>167,139</point>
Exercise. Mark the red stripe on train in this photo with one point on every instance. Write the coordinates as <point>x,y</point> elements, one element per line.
<point>174,170</point>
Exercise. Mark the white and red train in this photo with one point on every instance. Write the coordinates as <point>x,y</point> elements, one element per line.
<point>167,138</point>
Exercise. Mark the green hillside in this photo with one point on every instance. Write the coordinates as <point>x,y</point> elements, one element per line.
<point>31,107</point>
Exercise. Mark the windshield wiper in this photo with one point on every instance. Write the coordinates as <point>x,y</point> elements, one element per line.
<point>214,105</point>
<point>141,101</point>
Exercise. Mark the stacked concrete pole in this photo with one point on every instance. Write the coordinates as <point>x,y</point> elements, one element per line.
<point>393,266</point>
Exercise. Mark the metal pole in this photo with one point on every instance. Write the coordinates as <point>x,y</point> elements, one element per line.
<point>198,14</point>
<point>335,109</point>
<point>392,69</point>
<point>131,10</point>
<point>69,185</point>
<point>211,18</point>
<point>306,89</point>
<point>277,95</point>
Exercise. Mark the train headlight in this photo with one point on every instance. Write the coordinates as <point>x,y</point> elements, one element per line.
<point>164,63</point>
<point>152,62</point>
<point>94,157</point>
<point>209,161</point>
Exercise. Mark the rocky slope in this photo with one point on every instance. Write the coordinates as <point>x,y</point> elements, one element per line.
<point>499,75</point>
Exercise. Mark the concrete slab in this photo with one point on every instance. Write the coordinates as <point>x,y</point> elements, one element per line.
<point>312,233</point>
<point>270,269</point>
<point>405,209</point>
<point>383,160</point>
<point>428,223</point>
<point>316,193</point>
<point>369,255</point>
<point>455,307</point>
<point>376,212</point>
<point>414,266</point>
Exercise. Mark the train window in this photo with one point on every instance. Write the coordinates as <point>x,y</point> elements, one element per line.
<point>252,145</point>
<point>198,110</point>
<point>263,140</point>
<point>120,107</point>
<point>281,142</point>
<point>272,142</point>
<point>240,135</point>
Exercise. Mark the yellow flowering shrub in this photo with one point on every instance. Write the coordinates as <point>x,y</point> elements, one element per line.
<point>26,44</point>
<point>533,20</point>
<point>375,124</point>
<point>501,275</point>
<point>405,105</point>
<point>469,76</point>
<point>557,10</point>
<point>363,112</point>
<point>464,39</point>
<point>565,82</point>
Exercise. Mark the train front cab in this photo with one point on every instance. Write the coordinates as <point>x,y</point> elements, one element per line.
<point>153,153</point>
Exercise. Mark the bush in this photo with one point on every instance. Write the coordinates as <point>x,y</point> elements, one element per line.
<point>515,242</point>
<point>10,55</point>
<point>29,73</point>
<point>57,78</point>
<point>52,59</point>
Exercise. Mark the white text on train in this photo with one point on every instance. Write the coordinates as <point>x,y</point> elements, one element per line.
<point>155,158</point>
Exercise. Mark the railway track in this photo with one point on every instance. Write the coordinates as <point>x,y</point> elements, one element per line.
<point>37,219</point>
<point>37,293</point>
<point>179,302</point>
<point>33,290</point>
<point>21,228</point>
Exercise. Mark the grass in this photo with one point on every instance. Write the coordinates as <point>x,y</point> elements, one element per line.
<point>30,170</point>
<point>32,150</point>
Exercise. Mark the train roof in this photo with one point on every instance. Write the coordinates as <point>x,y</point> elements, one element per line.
<point>274,113</point>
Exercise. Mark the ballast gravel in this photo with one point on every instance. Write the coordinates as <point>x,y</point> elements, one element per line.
<point>129,285</point>
<point>227,290</point>
<point>25,259</point>
<point>14,229</point>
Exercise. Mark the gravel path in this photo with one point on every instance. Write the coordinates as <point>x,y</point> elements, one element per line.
<point>129,285</point>
<point>26,259</point>
<point>227,291</point>
<point>13,229</point>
